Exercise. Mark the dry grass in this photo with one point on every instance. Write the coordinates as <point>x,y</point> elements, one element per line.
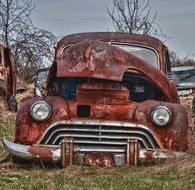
<point>3,105</point>
<point>26,95</point>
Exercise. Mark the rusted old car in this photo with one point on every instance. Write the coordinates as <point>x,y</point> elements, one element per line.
<point>109,102</point>
<point>8,77</point>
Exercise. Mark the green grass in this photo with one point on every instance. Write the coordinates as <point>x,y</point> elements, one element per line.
<point>177,175</point>
<point>78,177</point>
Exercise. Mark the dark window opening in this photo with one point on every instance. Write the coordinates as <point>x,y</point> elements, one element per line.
<point>69,87</point>
<point>140,87</point>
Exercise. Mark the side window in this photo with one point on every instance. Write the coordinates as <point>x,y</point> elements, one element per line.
<point>167,63</point>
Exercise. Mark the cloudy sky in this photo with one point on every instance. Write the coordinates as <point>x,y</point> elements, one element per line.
<point>62,17</point>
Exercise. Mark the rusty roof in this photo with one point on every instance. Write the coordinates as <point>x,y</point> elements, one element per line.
<point>111,37</point>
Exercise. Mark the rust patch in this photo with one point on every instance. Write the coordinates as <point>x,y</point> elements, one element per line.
<point>101,160</point>
<point>42,153</point>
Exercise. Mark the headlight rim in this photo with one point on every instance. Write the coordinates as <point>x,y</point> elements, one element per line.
<point>160,107</point>
<point>48,106</point>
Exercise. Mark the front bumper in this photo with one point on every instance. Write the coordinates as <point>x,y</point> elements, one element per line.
<point>68,154</point>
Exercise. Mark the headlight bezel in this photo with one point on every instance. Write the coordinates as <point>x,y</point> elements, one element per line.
<point>157,109</point>
<point>32,112</point>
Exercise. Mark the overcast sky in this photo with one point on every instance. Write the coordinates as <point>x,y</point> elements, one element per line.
<point>62,17</point>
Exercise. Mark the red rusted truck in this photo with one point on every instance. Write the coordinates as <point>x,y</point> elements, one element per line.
<point>8,77</point>
<point>109,102</point>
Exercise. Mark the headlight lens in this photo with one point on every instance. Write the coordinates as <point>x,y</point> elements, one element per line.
<point>161,116</point>
<point>40,111</point>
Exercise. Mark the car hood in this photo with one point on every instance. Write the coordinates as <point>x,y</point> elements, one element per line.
<point>97,59</point>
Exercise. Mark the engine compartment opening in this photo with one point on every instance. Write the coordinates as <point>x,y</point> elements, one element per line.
<point>134,87</point>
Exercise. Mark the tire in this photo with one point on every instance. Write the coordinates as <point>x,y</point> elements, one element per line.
<point>33,164</point>
<point>20,161</point>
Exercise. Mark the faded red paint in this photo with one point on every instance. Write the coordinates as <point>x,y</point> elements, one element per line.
<point>90,56</point>
<point>41,153</point>
<point>97,59</point>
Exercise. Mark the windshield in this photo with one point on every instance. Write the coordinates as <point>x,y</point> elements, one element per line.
<point>184,76</point>
<point>144,53</point>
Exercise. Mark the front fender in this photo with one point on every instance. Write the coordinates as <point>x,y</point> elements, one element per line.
<point>174,135</point>
<point>28,130</point>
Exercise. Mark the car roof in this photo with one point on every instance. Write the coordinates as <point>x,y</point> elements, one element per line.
<point>111,37</point>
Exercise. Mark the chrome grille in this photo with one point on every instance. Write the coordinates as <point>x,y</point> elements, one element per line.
<point>99,135</point>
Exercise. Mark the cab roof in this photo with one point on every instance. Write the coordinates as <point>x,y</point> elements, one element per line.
<point>118,37</point>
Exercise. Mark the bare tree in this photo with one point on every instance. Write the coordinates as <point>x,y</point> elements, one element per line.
<point>29,44</point>
<point>134,16</point>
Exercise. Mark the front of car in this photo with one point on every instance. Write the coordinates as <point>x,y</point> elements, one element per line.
<point>105,106</point>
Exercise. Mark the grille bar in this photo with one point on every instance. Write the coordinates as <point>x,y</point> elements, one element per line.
<point>99,133</point>
<point>94,133</point>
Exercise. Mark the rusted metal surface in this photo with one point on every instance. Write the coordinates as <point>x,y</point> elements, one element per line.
<point>106,118</point>
<point>97,59</point>
<point>67,152</point>
<point>132,152</point>
<point>101,160</point>
<point>139,113</point>
<point>113,37</point>
<point>7,76</point>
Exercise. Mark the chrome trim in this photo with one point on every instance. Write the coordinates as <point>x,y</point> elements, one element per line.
<point>43,102</point>
<point>17,150</point>
<point>96,136</point>
<point>103,123</point>
<point>105,142</point>
<point>161,107</point>
<point>102,136</point>
<point>158,155</point>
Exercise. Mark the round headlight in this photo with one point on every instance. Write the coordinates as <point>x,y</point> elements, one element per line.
<point>161,116</point>
<point>40,111</point>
